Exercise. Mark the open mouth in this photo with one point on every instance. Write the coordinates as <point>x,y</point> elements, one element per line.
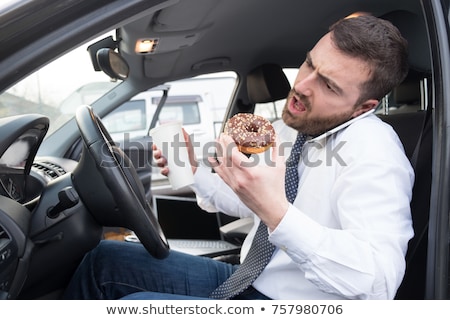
<point>296,105</point>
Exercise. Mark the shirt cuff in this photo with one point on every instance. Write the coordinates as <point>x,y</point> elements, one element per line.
<point>202,174</point>
<point>297,234</point>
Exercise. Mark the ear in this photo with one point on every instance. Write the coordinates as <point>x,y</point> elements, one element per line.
<point>364,107</point>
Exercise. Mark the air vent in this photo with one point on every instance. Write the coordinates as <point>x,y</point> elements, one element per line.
<point>5,240</point>
<point>49,169</point>
<point>3,234</point>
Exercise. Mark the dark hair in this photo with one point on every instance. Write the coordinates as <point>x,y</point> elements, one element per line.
<point>379,43</point>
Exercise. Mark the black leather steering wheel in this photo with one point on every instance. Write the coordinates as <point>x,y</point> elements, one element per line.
<point>120,177</point>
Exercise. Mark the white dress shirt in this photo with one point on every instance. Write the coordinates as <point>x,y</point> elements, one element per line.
<point>345,236</point>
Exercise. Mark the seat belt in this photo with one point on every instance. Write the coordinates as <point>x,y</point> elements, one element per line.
<point>414,159</point>
<point>424,104</point>
<point>416,152</point>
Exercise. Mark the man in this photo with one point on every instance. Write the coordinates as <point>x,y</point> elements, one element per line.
<point>345,233</point>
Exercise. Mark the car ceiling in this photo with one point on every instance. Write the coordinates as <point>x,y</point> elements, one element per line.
<point>198,36</point>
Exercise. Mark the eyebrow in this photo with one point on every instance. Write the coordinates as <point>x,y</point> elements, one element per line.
<point>321,76</point>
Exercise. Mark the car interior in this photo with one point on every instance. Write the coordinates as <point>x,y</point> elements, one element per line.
<point>76,185</point>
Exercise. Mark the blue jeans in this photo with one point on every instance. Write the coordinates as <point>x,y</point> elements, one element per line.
<point>115,270</point>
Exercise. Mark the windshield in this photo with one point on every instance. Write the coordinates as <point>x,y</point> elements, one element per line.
<point>57,89</point>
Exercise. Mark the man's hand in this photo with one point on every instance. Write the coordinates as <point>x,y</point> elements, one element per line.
<point>161,161</point>
<point>259,185</point>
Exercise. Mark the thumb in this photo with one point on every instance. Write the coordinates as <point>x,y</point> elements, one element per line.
<point>277,156</point>
<point>190,148</point>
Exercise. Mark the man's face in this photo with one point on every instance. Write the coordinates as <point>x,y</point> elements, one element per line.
<point>326,89</point>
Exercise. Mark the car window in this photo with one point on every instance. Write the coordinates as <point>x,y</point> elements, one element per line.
<point>199,103</point>
<point>130,116</point>
<point>57,89</point>
<point>133,117</point>
<point>187,113</point>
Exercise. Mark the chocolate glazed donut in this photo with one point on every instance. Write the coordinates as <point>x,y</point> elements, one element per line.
<point>251,133</point>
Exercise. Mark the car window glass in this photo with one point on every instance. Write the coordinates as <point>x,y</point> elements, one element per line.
<point>58,88</point>
<point>186,113</point>
<point>130,116</point>
<point>198,103</point>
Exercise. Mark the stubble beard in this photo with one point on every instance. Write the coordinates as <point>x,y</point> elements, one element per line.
<point>312,125</point>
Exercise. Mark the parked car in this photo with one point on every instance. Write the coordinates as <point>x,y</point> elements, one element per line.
<point>57,201</point>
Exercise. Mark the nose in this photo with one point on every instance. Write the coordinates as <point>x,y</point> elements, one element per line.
<point>305,85</point>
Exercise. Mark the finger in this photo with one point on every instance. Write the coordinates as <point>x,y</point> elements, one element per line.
<point>214,162</point>
<point>275,151</point>
<point>156,152</point>
<point>224,152</point>
<point>278,151</point>
<point>190,149</point>
<point>220,149</point>
<point>187,138</point>
<point>235,157</point>
<point>164,171</point>
<point>225,149</point>
<point>222,170</point>
<point>161,162</point>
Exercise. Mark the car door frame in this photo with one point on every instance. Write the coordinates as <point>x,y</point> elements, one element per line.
<point>437,285</point>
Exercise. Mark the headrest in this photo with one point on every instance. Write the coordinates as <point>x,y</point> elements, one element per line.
<point>408,92</point>
<point>267,83</point>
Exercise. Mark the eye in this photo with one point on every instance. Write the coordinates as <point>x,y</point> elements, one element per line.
<point>329,87</point>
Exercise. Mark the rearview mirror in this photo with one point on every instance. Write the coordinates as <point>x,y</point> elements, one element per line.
<point>112,63</point>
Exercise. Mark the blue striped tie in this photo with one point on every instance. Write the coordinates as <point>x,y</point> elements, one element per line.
<point>292,178</point>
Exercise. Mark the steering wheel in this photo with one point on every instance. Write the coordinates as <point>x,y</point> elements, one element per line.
<point>120,177</point>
